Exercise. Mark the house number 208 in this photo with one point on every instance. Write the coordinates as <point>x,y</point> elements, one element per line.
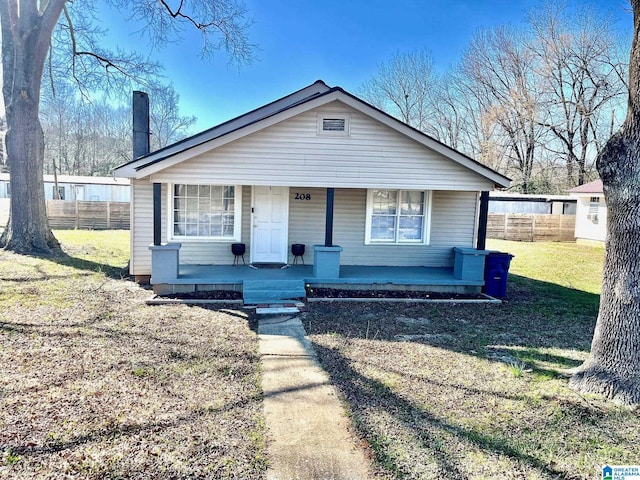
<point>303,196</point>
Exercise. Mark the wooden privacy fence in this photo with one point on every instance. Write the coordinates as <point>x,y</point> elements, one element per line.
<point>88,215</point>
<point>531,227</point>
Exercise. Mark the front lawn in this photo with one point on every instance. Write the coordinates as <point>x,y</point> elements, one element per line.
<point>95,384</point>
<point>480,391</point>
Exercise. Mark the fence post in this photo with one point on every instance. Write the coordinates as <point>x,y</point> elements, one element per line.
<point>506,226</point>
<point>108,215</point>
<point>533,227</point>
<point>77,216</point>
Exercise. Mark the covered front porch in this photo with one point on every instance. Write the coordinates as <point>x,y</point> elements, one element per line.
<point>194,278</point>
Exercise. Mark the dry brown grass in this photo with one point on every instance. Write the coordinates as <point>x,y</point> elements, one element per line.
<point>95,384</point>
<point>476,391</point>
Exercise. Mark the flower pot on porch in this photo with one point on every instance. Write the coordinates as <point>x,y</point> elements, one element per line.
<point>238,250</point>
<point>297,250</point>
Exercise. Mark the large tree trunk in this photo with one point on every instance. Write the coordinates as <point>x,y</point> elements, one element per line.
<point>613,366</point>
<point>26,37</point>
<point>28,228</point>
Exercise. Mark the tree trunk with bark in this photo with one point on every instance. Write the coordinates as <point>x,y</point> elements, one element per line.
<point>26,37</point>
<point>613,366</point>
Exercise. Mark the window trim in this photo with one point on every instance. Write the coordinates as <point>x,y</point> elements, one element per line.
<point>61,192</point>
<point>322,116</point>
<point>426,227</point>
<point>237,225</point>
<point>593,209</point>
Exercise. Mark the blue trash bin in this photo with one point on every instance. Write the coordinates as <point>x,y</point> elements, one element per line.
<point>496,271</point>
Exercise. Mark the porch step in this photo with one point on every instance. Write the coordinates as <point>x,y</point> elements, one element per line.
<point>272,291</point>
<point>278,309</point>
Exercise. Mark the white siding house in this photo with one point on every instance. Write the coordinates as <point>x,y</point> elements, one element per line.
<point>82,188</point>
<point>268,179</point>
<point>522,203</point>
<point>71,188</point>
<point>591,212</point>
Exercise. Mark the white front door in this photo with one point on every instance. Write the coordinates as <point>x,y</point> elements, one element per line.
<point>270,220</point>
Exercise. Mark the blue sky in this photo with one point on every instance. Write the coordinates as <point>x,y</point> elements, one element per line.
<point>339,41</point>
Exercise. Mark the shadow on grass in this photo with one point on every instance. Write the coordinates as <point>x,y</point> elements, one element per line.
<point>534,356</point>
<point>67,260</point>
<point>124,430</point>
<point>428,429</point>
<point>110,271</point>
<point>535,317</point>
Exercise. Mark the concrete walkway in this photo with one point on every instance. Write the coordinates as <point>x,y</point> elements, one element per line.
<point>308,437</point>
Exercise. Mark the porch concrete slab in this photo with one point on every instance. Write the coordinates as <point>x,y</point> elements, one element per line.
<point>309,434</point>
<point>349,274</point>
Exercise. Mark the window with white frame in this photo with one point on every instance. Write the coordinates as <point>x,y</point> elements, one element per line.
<point>398,216</point>
<point>206,211</point>
<point>594,206</point>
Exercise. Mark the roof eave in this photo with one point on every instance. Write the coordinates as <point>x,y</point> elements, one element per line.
<point>148,165</point>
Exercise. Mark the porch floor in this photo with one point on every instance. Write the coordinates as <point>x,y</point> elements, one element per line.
<point>349,275</point>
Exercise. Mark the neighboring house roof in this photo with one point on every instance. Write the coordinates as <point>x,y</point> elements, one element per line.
<point>79,180</point>
<point>526,197</point>
<point>310,97</point>
<point>591,187</point>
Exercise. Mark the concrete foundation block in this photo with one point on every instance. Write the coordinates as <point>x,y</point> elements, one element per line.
<point>468,263</point>
<point>326,261</point>
<point>165,262</point>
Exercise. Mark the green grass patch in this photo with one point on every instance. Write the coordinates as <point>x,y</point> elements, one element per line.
<point>575,267</point>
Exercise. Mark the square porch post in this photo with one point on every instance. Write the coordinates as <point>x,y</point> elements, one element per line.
<point>157,213</point>
<point>328,225</point>
<point>483,220</point>
<point>326,263</point>
<point>165,258</point>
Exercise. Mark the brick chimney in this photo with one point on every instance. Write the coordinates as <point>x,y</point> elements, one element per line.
<point>140,124</point>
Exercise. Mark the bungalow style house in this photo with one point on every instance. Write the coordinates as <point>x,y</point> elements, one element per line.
<point>591,213</point>
<point>374,201</point>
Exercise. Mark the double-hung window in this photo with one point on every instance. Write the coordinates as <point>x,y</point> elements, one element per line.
<point>206,211</point>
<point>594,207</point>
<point>398,216</point>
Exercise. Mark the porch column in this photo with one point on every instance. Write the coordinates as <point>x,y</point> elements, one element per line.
<point>482,220</point>
<point>157,213</point>
<point>328,225</point>
<point>326,258</point>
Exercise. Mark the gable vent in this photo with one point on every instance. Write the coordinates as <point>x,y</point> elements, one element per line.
<point>333,125</point>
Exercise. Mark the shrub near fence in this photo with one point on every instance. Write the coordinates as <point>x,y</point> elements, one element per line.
<point>531,227</point>
<point>88,215</point>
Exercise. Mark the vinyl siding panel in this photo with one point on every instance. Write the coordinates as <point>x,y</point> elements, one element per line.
<point>211,252</point>
<point>452,224</point>
<point>307,219</point>
<point>293,153</point>
<point>453,217</point>
<point>192,252</point>
<point>588,229</point>
<point>141,227</point>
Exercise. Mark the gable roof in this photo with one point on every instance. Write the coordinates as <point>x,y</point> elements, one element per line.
<point>310,97</point>
<point>591,187</point>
